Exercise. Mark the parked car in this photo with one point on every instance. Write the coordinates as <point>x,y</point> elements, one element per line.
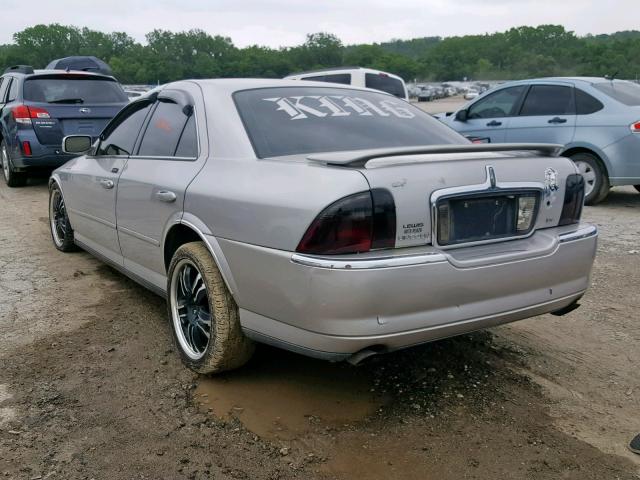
<point>81,63</point>
<point>328,220</point>
<point>39,107</point>
<point>595,119</point>
<point>358,77</point>
<point>471,93</point>
<point>427,94</point>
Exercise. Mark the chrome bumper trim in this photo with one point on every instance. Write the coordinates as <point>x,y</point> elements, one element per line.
<point>367,263</point>
<point>582,232</point>
<point>333,263</point>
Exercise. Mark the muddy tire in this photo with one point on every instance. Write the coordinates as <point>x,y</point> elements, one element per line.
<point>595,177</point>
<point>59,225</point>
<point>11,177</point>
<point>204,316</point>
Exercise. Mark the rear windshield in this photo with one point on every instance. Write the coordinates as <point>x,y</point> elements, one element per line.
<point>73,90</point>
<point>385,83</point>
<point>303,120</point>
<point>625,92</point>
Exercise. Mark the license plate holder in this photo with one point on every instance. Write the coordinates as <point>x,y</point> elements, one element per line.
<point>479,218</point>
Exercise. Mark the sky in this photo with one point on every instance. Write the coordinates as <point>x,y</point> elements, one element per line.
<point>277,23</point>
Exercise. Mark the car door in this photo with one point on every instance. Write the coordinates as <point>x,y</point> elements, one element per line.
<point>490,115</point>
<point>152,186</point>
<point>547,115</point>
<point>90,183</point>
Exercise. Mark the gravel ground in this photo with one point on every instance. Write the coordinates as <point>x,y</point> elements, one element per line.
<point>91,387</point>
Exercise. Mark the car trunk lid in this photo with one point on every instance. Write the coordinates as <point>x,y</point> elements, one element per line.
<point>484,182</point>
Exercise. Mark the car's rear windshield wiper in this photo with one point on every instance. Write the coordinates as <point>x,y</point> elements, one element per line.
<point>67,100</point>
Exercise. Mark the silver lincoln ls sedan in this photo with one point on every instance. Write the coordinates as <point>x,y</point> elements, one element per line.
<point>333,221</point>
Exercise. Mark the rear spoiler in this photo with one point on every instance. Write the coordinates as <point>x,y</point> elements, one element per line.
<point>358,158</point>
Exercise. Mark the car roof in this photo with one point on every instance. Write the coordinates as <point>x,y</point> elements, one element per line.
<point>231,85</point>
<point>586,80</point>
<point>342,69</point>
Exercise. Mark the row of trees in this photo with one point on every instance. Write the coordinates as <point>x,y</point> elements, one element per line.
<point>517,53</point>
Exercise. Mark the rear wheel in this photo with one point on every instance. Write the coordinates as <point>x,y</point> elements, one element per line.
<point>204,317</point>
<point>11,177</point>
<point>595,178</point>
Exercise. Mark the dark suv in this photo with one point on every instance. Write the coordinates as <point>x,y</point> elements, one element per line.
<point>40,107</point>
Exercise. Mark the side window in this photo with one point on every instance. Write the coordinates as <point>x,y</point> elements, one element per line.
<point>586,104</point>
<point>13,91</point>
<point>548,100</point>
<point>122,139</point>
<point>498,104</point>
<point>188,143</point>
<point>344,78</point>
<point>164,131</point>
<point>2,89</point>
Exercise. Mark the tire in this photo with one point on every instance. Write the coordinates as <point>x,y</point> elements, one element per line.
<point>596,180</point>
<point>637,187</point>
<point>225,347</point>
<point>11,177</point>
<point>59,225</point>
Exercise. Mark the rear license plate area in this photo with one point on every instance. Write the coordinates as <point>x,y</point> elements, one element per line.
<point>482,217</point>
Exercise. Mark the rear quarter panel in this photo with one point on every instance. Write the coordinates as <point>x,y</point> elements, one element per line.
<point>269,203</point>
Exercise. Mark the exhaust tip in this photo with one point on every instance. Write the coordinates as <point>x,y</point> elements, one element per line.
<point>361,355</point>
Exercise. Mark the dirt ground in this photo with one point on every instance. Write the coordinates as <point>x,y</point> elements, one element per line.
<point>91,387</point>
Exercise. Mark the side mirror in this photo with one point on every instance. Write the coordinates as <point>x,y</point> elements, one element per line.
<point>76,144</point>
<point>462,115</point>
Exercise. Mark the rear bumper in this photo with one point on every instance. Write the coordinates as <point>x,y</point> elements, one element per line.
<point>43,156</point>
<point>334,307</point>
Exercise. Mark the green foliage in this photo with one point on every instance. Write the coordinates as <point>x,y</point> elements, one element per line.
<point>517,53</point>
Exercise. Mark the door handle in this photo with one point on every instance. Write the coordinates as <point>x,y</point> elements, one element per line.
<point>166,196</point>
<point>104,183</point>
<point>494,123</point>
<point>558,120</point>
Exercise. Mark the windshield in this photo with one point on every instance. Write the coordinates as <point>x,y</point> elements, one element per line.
<point>80,90</point>
<point>625,92</point>
<point>302,120</point>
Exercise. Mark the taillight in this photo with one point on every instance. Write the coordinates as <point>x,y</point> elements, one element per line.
<point>354,224</point>
<point>573,200</point>
<point>635,127</point>
<point>23,114</point>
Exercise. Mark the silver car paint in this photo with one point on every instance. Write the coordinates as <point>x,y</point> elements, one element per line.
<point>606,132</point>
<point>252,213</point>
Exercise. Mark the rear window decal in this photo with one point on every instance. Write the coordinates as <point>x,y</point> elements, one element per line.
<point>321,106</point>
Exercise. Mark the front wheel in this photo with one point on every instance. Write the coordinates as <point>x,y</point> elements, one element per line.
<point>596,181</point>
<point>61,231</point>
<point>204,316</point>
<point>11,177</point>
